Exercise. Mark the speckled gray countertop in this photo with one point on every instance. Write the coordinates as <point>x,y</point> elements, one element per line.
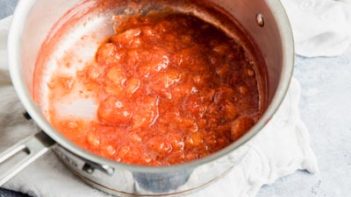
<point>7,7</point>
<point>326,109</point>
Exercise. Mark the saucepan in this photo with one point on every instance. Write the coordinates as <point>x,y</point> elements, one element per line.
<point>267,25</point>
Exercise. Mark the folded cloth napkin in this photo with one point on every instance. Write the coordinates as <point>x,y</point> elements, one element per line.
<point>321,28</point>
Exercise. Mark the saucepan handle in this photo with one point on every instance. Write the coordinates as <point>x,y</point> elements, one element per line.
<point>33,147</point>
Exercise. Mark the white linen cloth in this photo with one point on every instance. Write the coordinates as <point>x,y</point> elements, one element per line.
<point>321,28</point>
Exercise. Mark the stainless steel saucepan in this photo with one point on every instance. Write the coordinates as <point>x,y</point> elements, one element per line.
<point>33,24</point>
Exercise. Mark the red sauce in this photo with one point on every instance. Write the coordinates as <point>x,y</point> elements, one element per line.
<point>168,88</point>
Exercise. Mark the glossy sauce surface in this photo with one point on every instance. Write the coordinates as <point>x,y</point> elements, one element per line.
<point>166,88</point>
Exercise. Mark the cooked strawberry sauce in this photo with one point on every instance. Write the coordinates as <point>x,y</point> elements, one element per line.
<point>168,89</point>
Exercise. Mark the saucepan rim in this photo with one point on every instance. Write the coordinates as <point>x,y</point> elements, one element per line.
<point>14,53</point>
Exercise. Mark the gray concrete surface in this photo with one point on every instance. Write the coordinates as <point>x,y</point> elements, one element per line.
<point>7,7</point>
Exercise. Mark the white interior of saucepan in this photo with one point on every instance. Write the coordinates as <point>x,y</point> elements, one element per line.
<point>65,55</point>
